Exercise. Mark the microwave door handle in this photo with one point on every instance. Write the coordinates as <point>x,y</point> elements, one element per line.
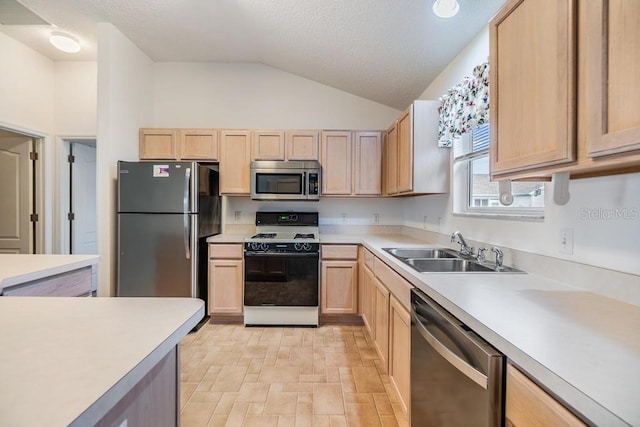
<point>305,183</point>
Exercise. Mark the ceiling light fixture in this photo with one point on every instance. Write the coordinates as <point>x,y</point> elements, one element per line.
<point>64,42</point>
<point>446,8</point>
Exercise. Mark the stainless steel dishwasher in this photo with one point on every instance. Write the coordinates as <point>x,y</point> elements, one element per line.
<point>457,378</point>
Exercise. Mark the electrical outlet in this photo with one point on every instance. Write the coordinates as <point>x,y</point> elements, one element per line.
<point>237,215</point>
<point>376,218</point>
<point>344,218</point>
<point>566,241</point>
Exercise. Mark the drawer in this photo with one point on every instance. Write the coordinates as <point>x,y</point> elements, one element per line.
<point>396,284</point>
<point>339,251</point>
<point>228,251</point>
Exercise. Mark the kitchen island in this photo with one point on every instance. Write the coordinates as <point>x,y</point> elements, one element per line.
<point>47,275</point>
<point>92,361</point>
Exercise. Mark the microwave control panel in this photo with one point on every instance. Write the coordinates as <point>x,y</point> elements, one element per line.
<point>313,183</point>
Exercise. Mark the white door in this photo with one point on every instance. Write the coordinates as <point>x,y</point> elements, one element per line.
<point>15,194</point>
<point>83,200</point>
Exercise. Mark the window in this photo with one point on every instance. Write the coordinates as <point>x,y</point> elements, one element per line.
<point>474,193</point>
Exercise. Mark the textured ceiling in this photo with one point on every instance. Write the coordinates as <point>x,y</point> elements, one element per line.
<point>387,51</point>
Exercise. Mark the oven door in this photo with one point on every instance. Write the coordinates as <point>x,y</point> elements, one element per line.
<point>281,279</point>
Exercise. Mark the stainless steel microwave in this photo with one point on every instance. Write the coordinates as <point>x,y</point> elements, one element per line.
<point>285,180</point>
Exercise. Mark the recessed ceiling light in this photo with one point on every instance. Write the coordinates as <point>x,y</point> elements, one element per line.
<point>446,8</point>
<point>64,42</point>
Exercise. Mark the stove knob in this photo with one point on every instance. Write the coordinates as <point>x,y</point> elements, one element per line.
<point>298,246</point>
<point>254,246</point>
<point>264,246</point>
<point>306,246</point>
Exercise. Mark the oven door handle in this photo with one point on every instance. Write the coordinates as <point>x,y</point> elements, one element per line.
<point>282,254</point>
<point>462,366</point>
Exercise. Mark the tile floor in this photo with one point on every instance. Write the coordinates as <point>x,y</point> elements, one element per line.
<point>327,376</point>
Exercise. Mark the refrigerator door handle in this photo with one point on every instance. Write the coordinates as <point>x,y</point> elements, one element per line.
<point>185,215</point>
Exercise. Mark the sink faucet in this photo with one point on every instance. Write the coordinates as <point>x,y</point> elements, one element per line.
<point>499,257</point>
<point>465,249</point>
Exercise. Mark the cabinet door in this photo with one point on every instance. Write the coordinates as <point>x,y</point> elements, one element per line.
<point>613,67</point>
<point>368,163</point>
<point>302,145</point>
<point>391,160</point>
<point>198,144</point>
<point>335,157</point>
<point>400,351</point>
<point>157,144</point>
<point>235,156</point>
<point>369,301</point>
<point>339,287</point>
<point>382,323</point>
<point>405,152</point>
<point>267,145</point>
<point>225,286</point>
<point>528,405</point>
<point>533,85</point>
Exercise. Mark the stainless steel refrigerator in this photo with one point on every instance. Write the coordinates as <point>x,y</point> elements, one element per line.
<point>166,210</point>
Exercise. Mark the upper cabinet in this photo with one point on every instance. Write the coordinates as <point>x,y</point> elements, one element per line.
<point>157,144</point>
<point>367,163</point>
<point>414,162</point>
<point>235,156</point>
<point>302,144</point>
<point>533,90</point>
<point>335,157</point>
<point>178,144</point>
<point>564,89</point>
<point>267,145</point>
<point>613,68</point>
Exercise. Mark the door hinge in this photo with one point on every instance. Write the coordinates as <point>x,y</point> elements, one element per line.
<point>33,155</point>
<point>71,216</point>
<point>71,158</point>
<point>33,217</point>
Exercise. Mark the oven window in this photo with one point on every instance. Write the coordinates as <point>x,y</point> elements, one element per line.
<point>274,280</point>
<point>281,183</point>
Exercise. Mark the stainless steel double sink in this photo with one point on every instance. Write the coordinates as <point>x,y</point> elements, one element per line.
<point>440,260</point>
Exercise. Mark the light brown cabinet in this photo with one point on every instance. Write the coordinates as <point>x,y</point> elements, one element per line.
<point>414,162</point>
<point>613,57</point>
<point>178,144</point>
<point>302,144</point>
<point>235,157</point>
<point>381,321</point>
<point>400,351</point>
<point>157,144</point>
<point>335,158</point>
<point>527,405</point>
<point>267,145</point>
<point>339,272</point>
<point>226,279</point>
<point>367,165</point>
<point>367,292</point>
<point>564,100</point>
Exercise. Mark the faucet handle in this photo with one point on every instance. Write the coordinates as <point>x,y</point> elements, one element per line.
<point>480,256</point>
<point>499,256</point>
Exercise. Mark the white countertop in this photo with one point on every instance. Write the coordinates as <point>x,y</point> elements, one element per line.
<point>67,361</point>
<point>20,268</point>
<point>582,346</point>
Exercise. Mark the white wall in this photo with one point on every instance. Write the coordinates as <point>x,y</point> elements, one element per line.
<point>254,96</point>
<point>76,104</point>
<point>125,89</point>
<point>612,243</point>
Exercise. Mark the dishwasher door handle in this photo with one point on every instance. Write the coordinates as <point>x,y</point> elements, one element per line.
<point>462,366</point>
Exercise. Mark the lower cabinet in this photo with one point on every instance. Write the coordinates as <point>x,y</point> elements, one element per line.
<point>368,289</point>
<point>339,287</point>
<point>529,405</point>
<point>226,279</point>
<point>74,283</point>
<point>381,320</point>
<point>400,351</point>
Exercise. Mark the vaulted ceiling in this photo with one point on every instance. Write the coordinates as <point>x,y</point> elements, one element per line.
<point>387,51</point>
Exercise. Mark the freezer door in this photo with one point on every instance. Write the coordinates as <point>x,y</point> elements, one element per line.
<point>154,260</point>
<point>163,187</point>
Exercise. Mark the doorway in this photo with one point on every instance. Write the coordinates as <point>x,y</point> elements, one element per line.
<point>19,216</point>
<point>78,215</point>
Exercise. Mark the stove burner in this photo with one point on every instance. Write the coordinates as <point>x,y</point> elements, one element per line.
<point>264,236</point>
<point>304,236</point>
